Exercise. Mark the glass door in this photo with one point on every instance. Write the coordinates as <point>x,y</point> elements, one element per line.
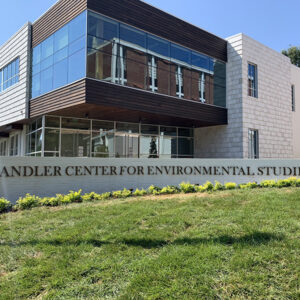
<point>127,145</point>
<point>75,143</point>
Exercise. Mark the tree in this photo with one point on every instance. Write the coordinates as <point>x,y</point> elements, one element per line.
<point>294,54</point>
<point>153,148</point>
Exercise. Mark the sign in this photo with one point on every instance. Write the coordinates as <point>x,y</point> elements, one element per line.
<point>49,176</point>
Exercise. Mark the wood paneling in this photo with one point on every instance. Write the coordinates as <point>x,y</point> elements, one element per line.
<point>68,96</point>
<point>56,17</point>
<point>153,20</point>
<point>98,99</point>
<point>106,94</point>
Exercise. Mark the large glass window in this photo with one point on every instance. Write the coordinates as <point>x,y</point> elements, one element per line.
<point>74,137</point>
<point>9,75</point>
<point>61,58</point>
<point>124,55</point>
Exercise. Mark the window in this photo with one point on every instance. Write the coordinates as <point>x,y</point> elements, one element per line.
<point>152,68</point>
<point>9,75</point>
<point>3,148</point>
<point>179,83</point>
<point>253,149</point>
<point>252,80</point>
<point>74,137</point>
<point>293,98</point>
<point>202,87</point>
<point>14,144</point>
<point>124,55</point>
<point>61,58</point>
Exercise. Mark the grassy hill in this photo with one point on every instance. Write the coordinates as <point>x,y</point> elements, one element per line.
<point>225,245</point>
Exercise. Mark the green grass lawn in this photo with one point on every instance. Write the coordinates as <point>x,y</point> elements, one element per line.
<point>225,245</point>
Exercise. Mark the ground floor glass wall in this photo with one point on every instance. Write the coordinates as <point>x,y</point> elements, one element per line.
<point>71,137</point>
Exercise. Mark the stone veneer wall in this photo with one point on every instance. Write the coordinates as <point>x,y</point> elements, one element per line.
<point>226,141</point>
<point>296,114</point>
<point>270,113</point>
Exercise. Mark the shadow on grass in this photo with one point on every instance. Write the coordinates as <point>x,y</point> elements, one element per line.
<point>253,239</point>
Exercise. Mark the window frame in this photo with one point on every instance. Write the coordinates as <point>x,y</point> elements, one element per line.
<point>253,146</point>
<point>16,77</point>
<point>293,98</point>
<point>253,81</point>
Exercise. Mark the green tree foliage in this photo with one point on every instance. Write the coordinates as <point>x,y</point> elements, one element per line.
<point>294,54</point>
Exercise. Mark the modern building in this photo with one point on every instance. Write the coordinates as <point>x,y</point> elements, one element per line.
<point>121,78</point>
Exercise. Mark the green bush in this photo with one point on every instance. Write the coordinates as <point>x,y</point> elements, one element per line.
<point>268,183</point>
<point>91,197</point>
<point>169,190</point>
<point>208,186</point>
<point>154,190</point>
<point>294,181</point>
<point>74,196</point>
<point>284,183</point>
<point>105,196</point>
<point>230,185</point>
<point>199,189</point>
<point>29,201</point>
<point>63,199</point>
<point>139,193</point>
<point>121,194</point>
<point>49,201</point>
<point>249,185</point>
<point>218,186</point>
<point>187,187</point>
<point>5,205</point>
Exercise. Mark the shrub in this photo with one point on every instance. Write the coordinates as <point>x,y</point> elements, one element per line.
<point>121,194</point>
<point>283,183</point>
<point>63,199</point>
<point>74,196</point>
<point>169,190</point>
<point>28,202</point>
<point>230,185</point>
<point>187,187</point>
<point>5,205</point>
<point>126,193</point>
<point>139,193</point>
<point>200,188</point>
<point>49,201</point>
<point>208,186</point>
<point>154,190</point>
<point>268,183</point>
<point>105,196</point>
<point>218,186</point>
<point>294,181</point>
<point>249,185</point>
<point>91,197</point>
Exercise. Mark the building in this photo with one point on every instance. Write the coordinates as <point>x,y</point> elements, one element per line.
<point>120,78</point>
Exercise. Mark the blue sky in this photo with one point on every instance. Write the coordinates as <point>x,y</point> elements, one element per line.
<point>275,23</point>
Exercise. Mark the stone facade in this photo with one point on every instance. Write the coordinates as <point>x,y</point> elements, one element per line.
<point>270,113</point>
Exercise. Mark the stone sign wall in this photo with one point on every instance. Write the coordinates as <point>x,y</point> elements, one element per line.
<point>49,176</point>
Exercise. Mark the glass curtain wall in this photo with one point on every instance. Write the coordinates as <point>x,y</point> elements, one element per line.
<point>72,137</point>
<point>61,58</point>
<point>124,55</point>
<point>98,47</point>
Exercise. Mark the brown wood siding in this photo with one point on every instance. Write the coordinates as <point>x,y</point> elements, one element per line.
<point>68,96</point>
<point>59,15</point>
<point>107,94</point>
<point>153,20</point>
